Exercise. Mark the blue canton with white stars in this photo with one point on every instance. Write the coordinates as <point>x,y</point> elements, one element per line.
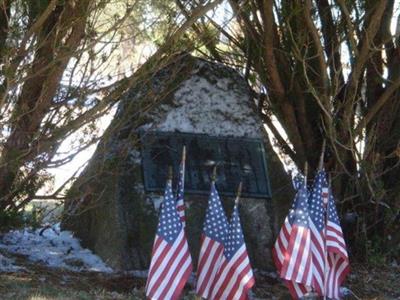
<point>332,212</point>
<point>298,214</point>
<point>216,224</point>
<point>169,225</point>
<point>317,208</point>
<point>235,238</point>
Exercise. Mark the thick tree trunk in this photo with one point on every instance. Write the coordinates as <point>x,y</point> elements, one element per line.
<point>57,40</point>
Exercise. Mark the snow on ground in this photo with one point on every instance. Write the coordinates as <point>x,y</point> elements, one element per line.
<point>8,265</point>
<point>52,247</point>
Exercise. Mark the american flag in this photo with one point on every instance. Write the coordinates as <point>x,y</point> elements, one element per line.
<point>171,263</point>
<point>296,264</point>
<point>338,261</point>
<point>215,231</point>
<point>280,250</point>
<point>180,204</point>
<point>317,206</point>
<point>235,276</point>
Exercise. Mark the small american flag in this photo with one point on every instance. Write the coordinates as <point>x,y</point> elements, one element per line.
<point>171,263</point>
<point>338,261</point>
<point>215,231</point>
<point>235,276</point>
<point>296,265</point>
<point>280,250</point>
<point>180,203</point>
<point>317,208</point>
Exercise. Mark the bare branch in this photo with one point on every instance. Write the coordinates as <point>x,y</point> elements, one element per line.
<point>383,99</point>
<point>323,68</point>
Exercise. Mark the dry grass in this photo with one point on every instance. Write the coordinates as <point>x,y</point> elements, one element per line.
<point>33,287</point>
<point>44,283</point>
<point>375,282</point>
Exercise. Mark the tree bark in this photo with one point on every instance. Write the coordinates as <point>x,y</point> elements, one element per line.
<point>57,40</point>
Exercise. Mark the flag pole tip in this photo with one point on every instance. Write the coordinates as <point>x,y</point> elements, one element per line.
<point>214,173</point>
<point>239,192</point>
<point>305,172</point>
<point>184,152</point>
<point>321,158</point>
<point>170,173</point>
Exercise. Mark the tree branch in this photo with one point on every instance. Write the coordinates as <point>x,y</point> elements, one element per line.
<point>383,99</point>
<point>331,43</point>
<point>323,68</point>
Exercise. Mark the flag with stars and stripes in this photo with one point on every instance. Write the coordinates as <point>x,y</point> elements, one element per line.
<point>291,252</point>
<point>317,207</point>
<point>180,203</point>
<point>215,230</point>
<point>296,265</point>
<point>171,263</point>
<point>337,258</point>
<point>234,277</point>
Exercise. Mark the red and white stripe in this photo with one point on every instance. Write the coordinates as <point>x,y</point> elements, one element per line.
<point>281,244</point>
<point>318,258</point>
<point>338,262</point>
<point>170,268</point>
<point>211,253</point>
<point>325,195</point>
<point>180,207</point>
<point>279,252</point>
<point>297,290</point>
<point>334,239</point>
<point>234,278</point>
<point>297,264</point>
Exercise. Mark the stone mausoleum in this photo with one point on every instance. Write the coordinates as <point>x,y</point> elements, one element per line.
<point>113,206</point>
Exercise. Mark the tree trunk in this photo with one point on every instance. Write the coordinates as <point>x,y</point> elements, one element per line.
<point>57,40</point>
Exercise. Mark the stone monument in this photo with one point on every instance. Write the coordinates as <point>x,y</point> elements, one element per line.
<point>108,207</point>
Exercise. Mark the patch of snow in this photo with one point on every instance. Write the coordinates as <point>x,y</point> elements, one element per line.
<point>7,265</point>
<point>344,291</point>
<point>134,156</point>
<point>146,126</point>
<point>394,263</point>
<point>137,273</point>
<point>157,201</point>
<point>139,188</point>
<point>52,247</point>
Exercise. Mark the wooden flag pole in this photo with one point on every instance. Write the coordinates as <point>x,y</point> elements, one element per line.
<point>312,293</point>
<point>184,153</point>
<point>214,174</point>
<point>325,232</point>
<point>305,172</point>
<point>170,173</point>
<point>238,193</point>
<point>321,158</point>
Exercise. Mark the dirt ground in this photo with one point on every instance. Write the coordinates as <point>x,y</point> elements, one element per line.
<point>37,282</point>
